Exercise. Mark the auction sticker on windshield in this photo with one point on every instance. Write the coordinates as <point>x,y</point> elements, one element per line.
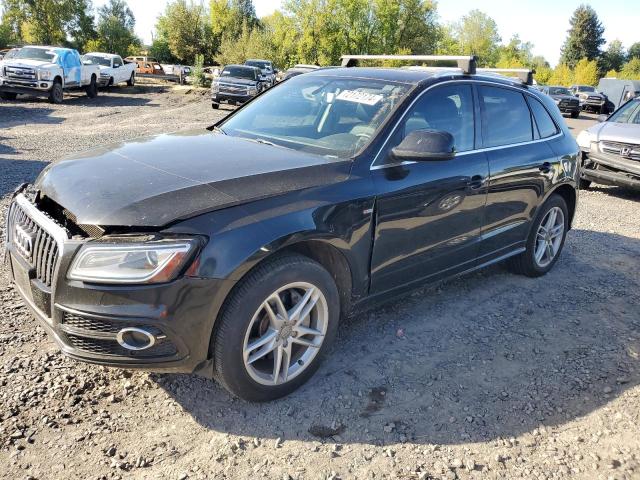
<point>359,97</point>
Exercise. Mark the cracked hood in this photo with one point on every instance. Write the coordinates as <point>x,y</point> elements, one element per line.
<point>154,181</point>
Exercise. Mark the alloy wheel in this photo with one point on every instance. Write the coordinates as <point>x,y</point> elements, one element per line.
<point>285,333</point>
<point>549,237</point>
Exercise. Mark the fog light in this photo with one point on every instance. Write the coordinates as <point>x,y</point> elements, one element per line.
<point>133,338</point>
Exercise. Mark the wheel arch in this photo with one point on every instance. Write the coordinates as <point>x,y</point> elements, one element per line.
<point>569,195</point>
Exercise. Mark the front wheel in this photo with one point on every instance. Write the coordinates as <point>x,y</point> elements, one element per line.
<point>575,114</point>
<point>275,328</point>
<point>215,106</point>
<point>8,96</point>
<point>584,184</point>
<point>545,240</point>
<point>92,88</point>
<point>56,94</point>
<point>132,81</point>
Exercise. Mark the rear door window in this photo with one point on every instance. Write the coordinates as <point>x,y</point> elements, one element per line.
<point>544,122</point>
<point>506,118</point>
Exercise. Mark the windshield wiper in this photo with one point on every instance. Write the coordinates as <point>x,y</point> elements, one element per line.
<point>218,130</point>
<point>265,142</point>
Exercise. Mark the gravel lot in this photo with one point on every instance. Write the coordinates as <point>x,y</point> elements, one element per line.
<point>487,376</point>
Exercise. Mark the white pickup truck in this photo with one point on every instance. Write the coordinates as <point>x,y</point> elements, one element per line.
<point>47,71</point>
<point>113,69</point>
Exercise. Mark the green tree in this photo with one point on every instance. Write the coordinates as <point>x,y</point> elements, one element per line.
<point>614,57</point>
<point>477,34</point>
<point>543,75</point>
<point>115,28</point>
<point>515,54</point>
<point>634,51</point>
<point>182,26</point>
<point>81,26</point>
<point>585,37</point>
<point>161,51</point>
<point>586,72</point>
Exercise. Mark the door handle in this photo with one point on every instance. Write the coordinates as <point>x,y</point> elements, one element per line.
<point>477,181</point>
<point>545,167</point>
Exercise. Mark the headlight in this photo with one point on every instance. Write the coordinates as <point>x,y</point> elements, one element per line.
<point>44,74</point>
<point>557,100</point>
<point>152,262</point>
<point>584,140</point>
<point>252,91</point>
<point>214,87</point>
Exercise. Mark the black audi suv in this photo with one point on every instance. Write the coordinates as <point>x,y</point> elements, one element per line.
<point>234,251</point>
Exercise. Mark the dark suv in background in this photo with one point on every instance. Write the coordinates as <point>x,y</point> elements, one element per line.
<point>236,84</point>
<point>564,99</point>
<point>334,191</point>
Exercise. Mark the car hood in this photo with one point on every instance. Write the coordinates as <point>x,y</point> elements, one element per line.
<point>154,181</point>
<point>25,62</point>
<point>563,97</point>
<point>236,81</point>
<point>616,132</point>
<point>591,94</point>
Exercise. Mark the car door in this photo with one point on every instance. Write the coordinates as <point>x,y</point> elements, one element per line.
<point>428,214</point>
<point>119,75</point>
<point>521,166</point>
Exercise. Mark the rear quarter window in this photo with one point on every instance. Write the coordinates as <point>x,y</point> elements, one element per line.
<point>506,118</point>
<point>544,122</point>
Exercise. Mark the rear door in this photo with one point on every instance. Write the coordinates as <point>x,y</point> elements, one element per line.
<point>521,165</point>
<point>429,213</point>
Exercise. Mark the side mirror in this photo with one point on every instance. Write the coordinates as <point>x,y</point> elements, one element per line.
<point>602,118</point>
<point>425,145</point>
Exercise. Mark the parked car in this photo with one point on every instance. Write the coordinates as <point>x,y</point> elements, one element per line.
<point>47,71</point>
<point>266,69</point>
<point>589,98</point>
<point>611,148</point>
<point>113,70</point>
<point>332,192</point>
<point>8,53</point>
<point>236,84</point>
<point>618,91</point>
<point>564,99</point>
<point>146,65</point>
<point>177,70</point>
<point>298,70</point>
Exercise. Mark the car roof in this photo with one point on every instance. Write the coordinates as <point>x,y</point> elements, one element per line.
<point>411,76</point>
<point>100,54</point>
<point>235,65</point>
<point>257,60</point>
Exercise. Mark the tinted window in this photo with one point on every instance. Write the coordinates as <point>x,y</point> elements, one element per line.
<point>506,117</point>
<point>546,126</point>
<point>448,108</point>
<point>239,72</point>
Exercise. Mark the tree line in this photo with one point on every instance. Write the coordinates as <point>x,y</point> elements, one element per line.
<point>313,32</point>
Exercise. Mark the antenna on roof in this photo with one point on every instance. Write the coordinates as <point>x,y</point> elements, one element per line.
<point>466,63</point>
<point>525,75</point>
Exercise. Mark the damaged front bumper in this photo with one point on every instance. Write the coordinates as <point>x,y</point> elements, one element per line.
<point>611,170</point>
<point>26,87</point>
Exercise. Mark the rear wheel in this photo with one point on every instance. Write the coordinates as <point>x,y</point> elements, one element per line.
<point>275,328</point>
<point>8,96</point>
<point>545,240</point>
<point>56,95</point>
<point>92,88</point>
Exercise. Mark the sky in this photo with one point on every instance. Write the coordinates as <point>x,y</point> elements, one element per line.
<point>541,22</point>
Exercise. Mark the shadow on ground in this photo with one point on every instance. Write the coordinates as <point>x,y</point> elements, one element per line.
<point>15,172</point>
<point>620,192</point>
<point>486,356</point>
<point>12,114</point>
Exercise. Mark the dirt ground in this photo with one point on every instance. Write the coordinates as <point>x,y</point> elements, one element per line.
<point>487,376</point>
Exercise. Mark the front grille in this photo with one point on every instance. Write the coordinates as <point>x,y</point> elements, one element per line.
<point>91,324</point>
<point>626,150</point>
<point>569,103</point>
<point>33,243</point>
<point>232,89</point>
<point>112,347</point>
<point>20,73</point>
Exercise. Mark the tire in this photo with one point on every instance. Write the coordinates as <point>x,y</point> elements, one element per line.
<point>92,88</point>
<point>132,81</point>
<point>292,278</point>
<point>575,114</point>
<point>584,184</point>
<point>215,106</point>
<point>526,263</point>
<point>56,95</point>
<point>8,96</point>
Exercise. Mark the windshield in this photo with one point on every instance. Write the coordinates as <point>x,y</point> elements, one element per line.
<point>95,60</point>
<point>559,91</point>
<point>628,113</point>
<point>36,54</point>
<point>329,116</point>
<point>239,72</point>
<point>260,65</point>
<point>586,89</point>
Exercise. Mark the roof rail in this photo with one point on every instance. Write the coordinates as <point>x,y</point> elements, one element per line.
<point>467,63</point>
<point>525,75</point>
